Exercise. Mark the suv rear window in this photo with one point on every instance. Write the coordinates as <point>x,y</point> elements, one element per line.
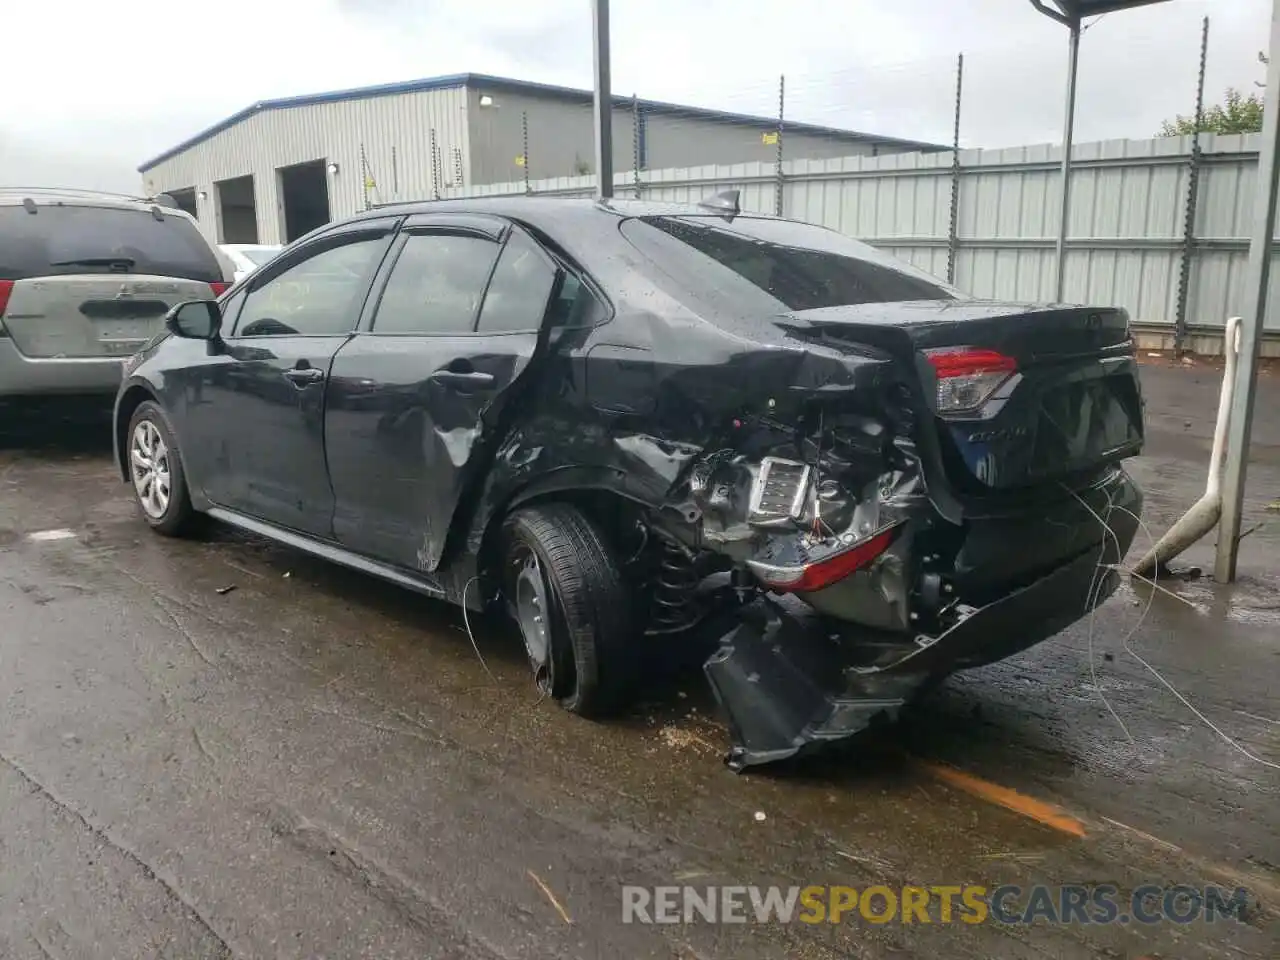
<point>63,239</point>
<point>774,266</point>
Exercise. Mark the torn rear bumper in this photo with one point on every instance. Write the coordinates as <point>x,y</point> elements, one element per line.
<point>789,679</point>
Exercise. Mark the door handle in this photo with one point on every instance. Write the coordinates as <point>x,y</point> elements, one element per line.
<point>301,376</point>
<point>463,378</point>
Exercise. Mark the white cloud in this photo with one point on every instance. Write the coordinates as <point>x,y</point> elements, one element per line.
<point>126,80</point>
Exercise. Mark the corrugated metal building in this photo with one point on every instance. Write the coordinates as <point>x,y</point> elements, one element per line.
<point>280,167</point>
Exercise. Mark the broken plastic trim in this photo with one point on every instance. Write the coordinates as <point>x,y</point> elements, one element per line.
<point>789,681</point>
<point>815,576</point>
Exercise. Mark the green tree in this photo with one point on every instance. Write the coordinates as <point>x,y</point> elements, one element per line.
<point>1238,114</point>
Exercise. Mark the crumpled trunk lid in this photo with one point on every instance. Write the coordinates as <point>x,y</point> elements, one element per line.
<point>1072,405</point>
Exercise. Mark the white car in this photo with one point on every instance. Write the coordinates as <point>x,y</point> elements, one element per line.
<point>248,257</point>
<point>86,279</point>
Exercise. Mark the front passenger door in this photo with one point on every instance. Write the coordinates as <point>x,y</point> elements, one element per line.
<point>294,319</point>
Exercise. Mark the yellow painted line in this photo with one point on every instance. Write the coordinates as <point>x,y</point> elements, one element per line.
<point>564,914</point>
<point>1045,813</point>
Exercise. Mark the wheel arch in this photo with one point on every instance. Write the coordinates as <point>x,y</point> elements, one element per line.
<point>593,490</point>
<point>132,397</point>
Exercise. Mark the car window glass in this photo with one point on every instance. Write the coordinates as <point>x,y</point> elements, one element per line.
<point>231,310</point>
<point>781,264</point>
<point>436,284</point>
<point>576,305</point>
<point>319,296</point>
<point>73,239</point>
<point>522,281</point>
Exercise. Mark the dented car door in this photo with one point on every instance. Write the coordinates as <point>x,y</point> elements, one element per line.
<point>412,400</point>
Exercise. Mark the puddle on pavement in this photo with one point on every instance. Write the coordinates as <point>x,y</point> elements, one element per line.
<point>47,536</point>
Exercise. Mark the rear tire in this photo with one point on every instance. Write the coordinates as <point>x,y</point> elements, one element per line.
<point>156,472</point>
<point>583,647</point>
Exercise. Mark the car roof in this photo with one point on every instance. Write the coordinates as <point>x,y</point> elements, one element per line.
<point>66,197</point>
<point>550,212</point>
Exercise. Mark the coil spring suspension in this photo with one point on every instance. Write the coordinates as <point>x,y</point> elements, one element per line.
<point>674,585</point>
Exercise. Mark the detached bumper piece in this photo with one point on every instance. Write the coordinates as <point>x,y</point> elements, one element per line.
<point>790,681</point>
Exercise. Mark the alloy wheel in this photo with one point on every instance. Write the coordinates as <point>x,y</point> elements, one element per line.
<point>149,462</point>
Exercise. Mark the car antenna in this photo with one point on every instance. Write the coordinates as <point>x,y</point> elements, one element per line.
<point>725,204</point>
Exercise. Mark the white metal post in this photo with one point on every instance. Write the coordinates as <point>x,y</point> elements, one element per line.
<point>603,101</point>
<point>1254,313</point>
<point>1068,138</point>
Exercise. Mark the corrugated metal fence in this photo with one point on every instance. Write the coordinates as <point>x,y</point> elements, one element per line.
<point>1128,213</point>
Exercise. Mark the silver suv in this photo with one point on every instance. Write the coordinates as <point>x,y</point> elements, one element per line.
<point>85,280</point>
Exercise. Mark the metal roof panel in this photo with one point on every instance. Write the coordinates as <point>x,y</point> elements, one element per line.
<point>487,82</point>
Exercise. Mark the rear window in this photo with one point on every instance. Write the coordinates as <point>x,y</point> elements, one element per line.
<point>80,239</point>
<point>778,266</point>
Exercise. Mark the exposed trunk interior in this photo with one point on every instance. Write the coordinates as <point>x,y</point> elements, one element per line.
<point>304,191</point>
<point>237,210</point>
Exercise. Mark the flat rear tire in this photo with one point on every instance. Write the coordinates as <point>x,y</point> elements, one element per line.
<point>563,587</point>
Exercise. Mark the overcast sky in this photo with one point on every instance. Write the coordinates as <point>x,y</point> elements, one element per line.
<point>92,89</point>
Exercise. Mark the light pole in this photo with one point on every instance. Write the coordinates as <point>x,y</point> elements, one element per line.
<point>603,101</point>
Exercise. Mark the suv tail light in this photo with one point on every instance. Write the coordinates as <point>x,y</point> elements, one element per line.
<point>218,287</point>
<point>815,576</point>
<point>6,288</point>
<point>968,376</point>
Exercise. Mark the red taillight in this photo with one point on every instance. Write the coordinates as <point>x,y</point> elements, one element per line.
<point>968,376</point>
<point>218,287</point>
<point>815,576</point>
<point>968,361</point>
<point>6,288</point>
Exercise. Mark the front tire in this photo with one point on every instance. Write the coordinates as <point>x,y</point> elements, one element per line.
<point>563,587</point>
<point>155,468</point>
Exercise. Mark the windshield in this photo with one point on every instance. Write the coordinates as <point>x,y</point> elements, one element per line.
<point>59,239</point>
<point>779,266</point>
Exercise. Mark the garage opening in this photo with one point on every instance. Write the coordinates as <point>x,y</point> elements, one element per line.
<point>185,198</point>
<point>237,210</point>
<point>304,188</point>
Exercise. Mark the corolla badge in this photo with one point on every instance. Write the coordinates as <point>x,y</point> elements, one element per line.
<point>990,436</point>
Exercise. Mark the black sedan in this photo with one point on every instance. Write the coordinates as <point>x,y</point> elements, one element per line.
<point>622,420</point>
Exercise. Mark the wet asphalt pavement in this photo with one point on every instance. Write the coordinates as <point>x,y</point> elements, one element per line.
<point>314,764</point>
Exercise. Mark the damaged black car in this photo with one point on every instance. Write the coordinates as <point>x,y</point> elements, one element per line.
<point>628,422</point>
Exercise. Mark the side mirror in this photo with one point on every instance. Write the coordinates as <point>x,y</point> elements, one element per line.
<point>194,320</point>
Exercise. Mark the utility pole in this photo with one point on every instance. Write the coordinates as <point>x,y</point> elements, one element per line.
<point>1068,138</point>
<point>603,101</point>
<point>1255,313</point>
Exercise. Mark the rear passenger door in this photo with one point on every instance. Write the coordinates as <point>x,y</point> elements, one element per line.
<point>412,399</point>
